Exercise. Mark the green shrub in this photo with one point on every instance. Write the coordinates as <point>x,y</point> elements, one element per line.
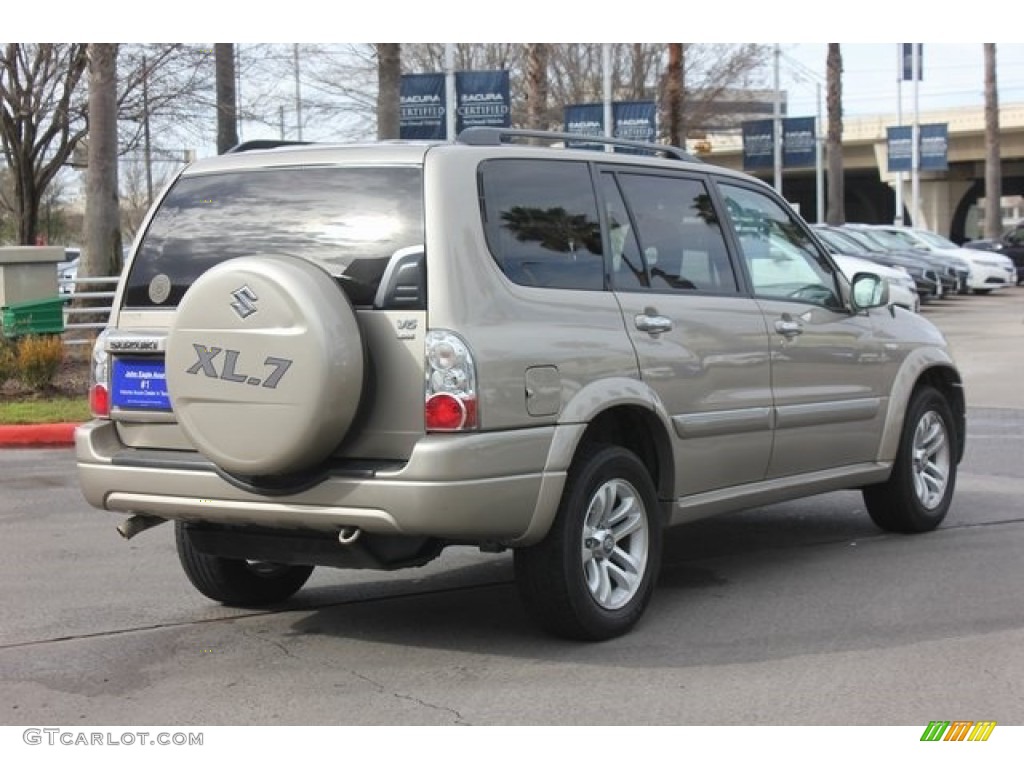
<point>39,359</point>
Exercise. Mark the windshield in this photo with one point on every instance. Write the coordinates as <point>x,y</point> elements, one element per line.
<point>903,239</point>
<point>936,240</point>
<point>348,220</point>
<point>862,239</point>
<point>836,242</point>
<point>893,240</point>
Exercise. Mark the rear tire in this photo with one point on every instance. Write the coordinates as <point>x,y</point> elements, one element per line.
<point>241,583</point>
<point>593,575</point>
<point>917,495</point>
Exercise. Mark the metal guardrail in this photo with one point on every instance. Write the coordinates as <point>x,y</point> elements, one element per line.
<point>83,307</point>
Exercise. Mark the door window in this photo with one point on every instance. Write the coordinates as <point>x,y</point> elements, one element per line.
<point>781,258</point>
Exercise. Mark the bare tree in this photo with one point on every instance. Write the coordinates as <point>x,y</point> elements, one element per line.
<point>389,83</point>
<point>102,254</point>
<point>227,111</point>
<point>42,119</point>
<point>835,213</point>
<point>133,181</point>
<point>993,169</point>
<point>166,94</point>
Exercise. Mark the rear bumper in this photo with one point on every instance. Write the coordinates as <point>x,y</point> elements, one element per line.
<point>449,488</point>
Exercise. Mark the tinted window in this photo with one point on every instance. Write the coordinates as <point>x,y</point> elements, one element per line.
<point>781,258</point>
<point>348,220</point>
<point>541,221</point>
<point>679,234</point>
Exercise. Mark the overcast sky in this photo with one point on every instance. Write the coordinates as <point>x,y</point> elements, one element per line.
<point>953,76</point>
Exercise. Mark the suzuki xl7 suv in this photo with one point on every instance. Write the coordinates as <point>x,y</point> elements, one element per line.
<point>356,356</point>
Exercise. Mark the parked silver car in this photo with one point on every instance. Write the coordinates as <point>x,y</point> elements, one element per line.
<point>356,356</point>
<point>987,271</point>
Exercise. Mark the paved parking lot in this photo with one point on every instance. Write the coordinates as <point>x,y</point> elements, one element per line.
<point>796,614</point>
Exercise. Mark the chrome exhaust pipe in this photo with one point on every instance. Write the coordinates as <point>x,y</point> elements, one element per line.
<point>136,524</point>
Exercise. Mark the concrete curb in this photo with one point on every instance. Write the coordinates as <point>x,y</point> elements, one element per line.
<point>37,435</point>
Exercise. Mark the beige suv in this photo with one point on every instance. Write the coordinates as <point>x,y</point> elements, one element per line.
<point>356,356</point>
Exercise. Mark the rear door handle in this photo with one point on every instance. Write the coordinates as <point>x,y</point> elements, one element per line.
<point>655,324</point>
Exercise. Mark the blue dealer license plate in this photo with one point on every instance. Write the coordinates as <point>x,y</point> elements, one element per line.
<point>139,384</point>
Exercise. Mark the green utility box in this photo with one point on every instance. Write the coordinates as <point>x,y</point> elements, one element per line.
<point>33,317</point>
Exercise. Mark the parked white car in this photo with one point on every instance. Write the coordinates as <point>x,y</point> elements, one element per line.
<point>989,271</point>
<point>902,289</point>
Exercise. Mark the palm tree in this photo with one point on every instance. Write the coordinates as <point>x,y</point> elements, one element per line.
<point>389,85</point>
<point>537,85</point>
<point>674,95</point>
<point>993,170</point>
<point>835,213</point>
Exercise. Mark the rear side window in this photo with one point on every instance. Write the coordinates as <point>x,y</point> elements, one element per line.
<point>350,221</point>
<point>542,224</point>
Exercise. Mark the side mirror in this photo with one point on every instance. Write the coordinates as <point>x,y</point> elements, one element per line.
<point>868,291</point>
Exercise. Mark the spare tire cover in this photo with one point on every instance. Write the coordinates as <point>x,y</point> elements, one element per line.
<point>265,364</point>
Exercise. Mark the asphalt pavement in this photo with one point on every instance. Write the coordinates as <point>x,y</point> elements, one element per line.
<point>800,613</point>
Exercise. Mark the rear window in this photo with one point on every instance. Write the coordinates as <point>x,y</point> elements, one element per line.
<point>348,220</point>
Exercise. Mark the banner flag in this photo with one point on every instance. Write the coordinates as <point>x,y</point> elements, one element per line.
<point>422,107</point>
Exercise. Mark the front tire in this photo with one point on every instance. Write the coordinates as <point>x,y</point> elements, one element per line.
<point>592,576</point>
<point>917,495</point>
<point>241,583</point>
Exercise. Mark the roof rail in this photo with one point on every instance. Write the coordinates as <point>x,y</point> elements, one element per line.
<point>247,146</point>
<point>488,136</point>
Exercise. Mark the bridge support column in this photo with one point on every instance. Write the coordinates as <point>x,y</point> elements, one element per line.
<point>939,197</point>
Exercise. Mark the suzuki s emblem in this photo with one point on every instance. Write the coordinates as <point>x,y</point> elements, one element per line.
<point>245,301</point>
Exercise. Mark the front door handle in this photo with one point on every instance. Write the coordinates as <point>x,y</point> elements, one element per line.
<point>788,327</point>
<point>655,324</point>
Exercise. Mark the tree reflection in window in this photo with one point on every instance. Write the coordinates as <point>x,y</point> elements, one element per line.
<point>541,222</point>
<point>554,229</point>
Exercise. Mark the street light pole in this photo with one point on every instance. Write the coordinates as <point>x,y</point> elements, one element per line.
<point>298,94</point>
<point>449,91</point>
<point>606,82</point>
<point>915,141</point>
<point>777,126</point>
<point>898,219</point>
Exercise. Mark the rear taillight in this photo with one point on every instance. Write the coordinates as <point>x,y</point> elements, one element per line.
<point>450,402</point>
<point>99,378</point>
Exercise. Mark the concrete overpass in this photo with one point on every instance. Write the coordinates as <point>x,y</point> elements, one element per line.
<point>948,200</point>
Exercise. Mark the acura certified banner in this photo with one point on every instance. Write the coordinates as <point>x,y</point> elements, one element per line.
<point>422,105</point>
<point>633,120</point>
<point>482,99</point>
<point>933,153</point>
<point>798,141</point>
<point>758,144</point>
<point>586,119</point>
<point>934,147</point>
